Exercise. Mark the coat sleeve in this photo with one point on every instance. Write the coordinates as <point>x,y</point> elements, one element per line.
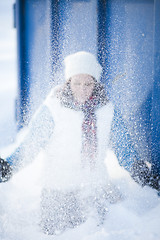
<point>39,132</point>
<point>121,142</point>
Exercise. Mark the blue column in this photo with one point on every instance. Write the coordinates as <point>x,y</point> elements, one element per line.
<point>34,56</point>
<point>155,115</point>
<point>129,59</point>
<point>23,64</point>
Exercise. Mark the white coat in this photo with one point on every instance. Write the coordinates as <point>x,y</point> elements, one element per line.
<point>63,169</point>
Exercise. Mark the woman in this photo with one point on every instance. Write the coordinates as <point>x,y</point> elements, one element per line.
<point>72,127</point>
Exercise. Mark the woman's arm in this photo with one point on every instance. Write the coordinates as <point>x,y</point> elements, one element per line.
<point>39,132</point>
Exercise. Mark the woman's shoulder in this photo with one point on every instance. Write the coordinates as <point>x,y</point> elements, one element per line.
<point>106,113</point>
<point>108,106</point>
<point>55,91</point>
<point>52,98</point>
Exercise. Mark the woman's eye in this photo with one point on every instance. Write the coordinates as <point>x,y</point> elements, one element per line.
<point>88,84</point>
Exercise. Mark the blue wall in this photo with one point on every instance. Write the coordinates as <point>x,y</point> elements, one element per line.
<point>125,36</point>
<point>155,111</point>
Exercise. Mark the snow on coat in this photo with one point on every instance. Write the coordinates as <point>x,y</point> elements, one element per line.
<point>63,153</point>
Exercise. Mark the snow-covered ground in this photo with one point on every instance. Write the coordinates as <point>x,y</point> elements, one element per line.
<point>136,217</point>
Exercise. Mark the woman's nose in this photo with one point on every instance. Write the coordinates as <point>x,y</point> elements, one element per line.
<point>83,87</point>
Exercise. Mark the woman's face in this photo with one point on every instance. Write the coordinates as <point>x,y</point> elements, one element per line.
<point>82,86</point>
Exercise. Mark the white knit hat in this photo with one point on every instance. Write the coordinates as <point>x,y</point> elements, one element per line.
<point>82,63</point>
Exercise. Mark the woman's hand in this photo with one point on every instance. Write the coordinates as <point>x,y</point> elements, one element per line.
<point>5,170</point>
<point>141,173</point>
